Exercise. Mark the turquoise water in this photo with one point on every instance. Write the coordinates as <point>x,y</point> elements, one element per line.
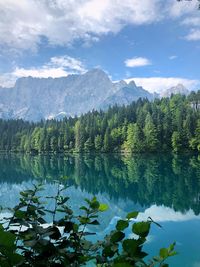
<point>165,187</point>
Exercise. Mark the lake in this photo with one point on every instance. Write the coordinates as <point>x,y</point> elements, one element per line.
<point>165,187</point>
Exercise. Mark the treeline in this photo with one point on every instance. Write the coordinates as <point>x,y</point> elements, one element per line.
<point>143,126</point>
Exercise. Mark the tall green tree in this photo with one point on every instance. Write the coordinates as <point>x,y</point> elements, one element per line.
<point>176,142</point>
<point>79,136</point>
<point>150,135</point>
<point>134,142</point>
<point>98,143</point>
<point>107,141</point>
<point>195,142</point>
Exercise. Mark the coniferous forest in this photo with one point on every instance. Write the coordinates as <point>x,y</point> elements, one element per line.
<point>171,124</point>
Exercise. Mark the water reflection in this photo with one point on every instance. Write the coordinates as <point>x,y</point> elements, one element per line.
<point>168,180</point>
<point>165,187</point>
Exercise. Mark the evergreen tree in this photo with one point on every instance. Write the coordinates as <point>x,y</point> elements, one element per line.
<point>98,143</point>
<point>79,136</point>
<point>176,142</point>
<point>88,146</point>
<point>106,141</point>
<point>195,142</point>
<point>134,142</point>
<point>150,134</point>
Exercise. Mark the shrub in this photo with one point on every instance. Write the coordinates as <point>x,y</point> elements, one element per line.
<point>26,239</point>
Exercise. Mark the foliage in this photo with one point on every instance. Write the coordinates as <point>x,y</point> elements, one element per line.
<point>143,126</point>
<point>26,239</point>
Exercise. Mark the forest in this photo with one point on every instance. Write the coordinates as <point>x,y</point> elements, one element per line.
<point>167,124</point>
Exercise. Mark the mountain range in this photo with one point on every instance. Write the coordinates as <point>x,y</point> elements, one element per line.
<point>34,99</point>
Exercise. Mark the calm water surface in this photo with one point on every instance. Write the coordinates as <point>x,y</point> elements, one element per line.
<point>166,187</point>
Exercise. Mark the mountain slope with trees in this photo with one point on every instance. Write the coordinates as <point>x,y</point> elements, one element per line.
<point>143,126</point>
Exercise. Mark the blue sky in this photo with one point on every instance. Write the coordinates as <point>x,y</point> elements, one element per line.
<point>154,42</point>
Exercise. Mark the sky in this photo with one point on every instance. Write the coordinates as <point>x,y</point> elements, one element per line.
<point>154,42</point>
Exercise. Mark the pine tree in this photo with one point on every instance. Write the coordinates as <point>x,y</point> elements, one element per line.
<point>195,142</point>
<point>98,143</point>
<point>106,141</point>
<point>176,142</point>
<point>88,146</point>
<point>150,134</point>
<point>79,136</point>
<point>134,142</point>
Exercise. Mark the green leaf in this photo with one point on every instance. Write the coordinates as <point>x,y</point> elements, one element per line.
<point>108,252</point>
<point>130,246</point>
<point>132,215</point>
<point>7,239</point>
<point>84,220</point>
<point>20,214</point>
<point>103,207</point>
<point>64,200</point>
<point>68,227</point>
<point>95,205</point>
<point>56,233</point>
<point>24,194</point>
<point>16,259</point>
<point>141,228</point>
<point>84,208</point>
<point>117,236</point>
<point>164,253</point>
<point>171,247</point>
<point>121,225</point>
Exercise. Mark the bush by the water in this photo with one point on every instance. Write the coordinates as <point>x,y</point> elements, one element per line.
<point>27,239</point>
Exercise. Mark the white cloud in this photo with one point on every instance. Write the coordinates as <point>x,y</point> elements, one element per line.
<point>43,72</point>
<point>188,14</point>
<point>137,62</point>
<point>67,62</point>
<point>194,35</point>
<point>7,80</point>
<point>172,57</point>
<point>159,84</point>
<point>191,21</point>
<point>194,28</point>
<point>178,9</point>
<point>55,68</point>
<point>164,214</point>
<point>61,22</point>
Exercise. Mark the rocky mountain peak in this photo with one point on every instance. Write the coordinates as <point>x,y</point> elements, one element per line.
<point>178,89</point>
<point>38,98</point>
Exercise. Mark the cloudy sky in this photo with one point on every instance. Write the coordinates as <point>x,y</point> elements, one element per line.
<point>156,42</point>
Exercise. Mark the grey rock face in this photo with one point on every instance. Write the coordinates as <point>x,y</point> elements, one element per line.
<point>178,89</point>
<point>42,98</point>
<point>125,95</point>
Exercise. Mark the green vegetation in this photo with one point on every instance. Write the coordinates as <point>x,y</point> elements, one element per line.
<point>28,239</point>
<point>167,124</point>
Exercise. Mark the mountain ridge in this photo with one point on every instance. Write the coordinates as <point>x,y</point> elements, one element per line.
<point>34,99</point>
<point>43,98</point>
